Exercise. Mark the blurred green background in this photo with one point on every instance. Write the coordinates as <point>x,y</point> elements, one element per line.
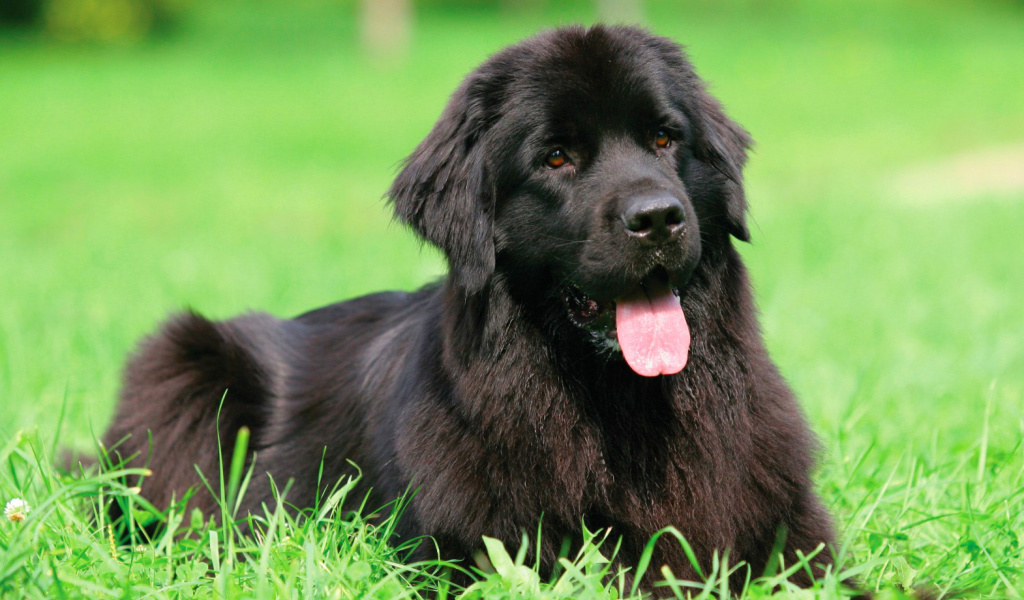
<point>231,155</point>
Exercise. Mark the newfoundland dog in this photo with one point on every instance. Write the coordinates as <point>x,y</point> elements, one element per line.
<point>591,359</point>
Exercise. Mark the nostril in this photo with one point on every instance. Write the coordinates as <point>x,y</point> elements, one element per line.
<point>639,222</point>
<point>674,216</point>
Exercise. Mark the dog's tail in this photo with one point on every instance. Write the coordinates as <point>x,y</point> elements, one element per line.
<point>187,391</point>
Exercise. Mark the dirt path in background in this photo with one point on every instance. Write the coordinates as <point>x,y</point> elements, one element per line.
<point>990,172</point>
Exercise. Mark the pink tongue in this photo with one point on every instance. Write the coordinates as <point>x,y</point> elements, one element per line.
<point>652,330</point>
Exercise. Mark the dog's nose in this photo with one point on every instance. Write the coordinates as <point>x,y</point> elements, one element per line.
<point>655,218</point>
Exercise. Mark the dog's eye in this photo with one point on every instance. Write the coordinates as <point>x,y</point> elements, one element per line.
<point>557,158</point>
<point>662,139</point>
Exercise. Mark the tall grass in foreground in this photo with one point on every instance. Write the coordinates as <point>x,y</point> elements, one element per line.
<point>951,526</point>
<point>67,548</point>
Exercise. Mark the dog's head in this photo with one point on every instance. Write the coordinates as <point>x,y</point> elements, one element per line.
<point>589,168</point>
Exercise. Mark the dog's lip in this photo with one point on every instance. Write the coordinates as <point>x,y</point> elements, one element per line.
<point>585,309</point>
<point>579,293</point>
<point>658,273</point>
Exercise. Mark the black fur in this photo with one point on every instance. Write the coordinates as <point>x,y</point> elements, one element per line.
<point>488,394</point>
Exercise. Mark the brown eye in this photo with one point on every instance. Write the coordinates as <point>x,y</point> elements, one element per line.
<point>556,158</point>
<point>661,139</point>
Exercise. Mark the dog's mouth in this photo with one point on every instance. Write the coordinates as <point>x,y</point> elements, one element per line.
<point>646,324</point>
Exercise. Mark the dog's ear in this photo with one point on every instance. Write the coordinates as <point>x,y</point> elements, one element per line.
<point>723,144</point>
<point>720,142</point>
<point>441,191</point>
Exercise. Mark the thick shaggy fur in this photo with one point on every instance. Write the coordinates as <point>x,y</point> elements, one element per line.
<point>483,393</point>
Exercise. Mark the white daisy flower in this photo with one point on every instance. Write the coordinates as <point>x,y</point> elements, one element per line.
<point>16,510</point>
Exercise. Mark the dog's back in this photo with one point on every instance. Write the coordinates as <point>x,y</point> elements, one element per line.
<point>191,386</point>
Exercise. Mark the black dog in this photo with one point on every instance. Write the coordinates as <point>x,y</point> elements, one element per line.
<point>585,189</point>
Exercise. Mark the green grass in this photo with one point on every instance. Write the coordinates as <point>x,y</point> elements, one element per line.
<point>239,165</point>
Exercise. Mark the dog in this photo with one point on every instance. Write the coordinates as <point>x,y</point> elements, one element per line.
<point>592,357</point>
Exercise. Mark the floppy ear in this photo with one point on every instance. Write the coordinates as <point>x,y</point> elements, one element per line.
<point>723,144</point>
<point>441,191</point>
<point>719,142</point>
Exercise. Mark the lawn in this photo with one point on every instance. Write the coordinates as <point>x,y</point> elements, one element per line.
<point>239,165</point>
